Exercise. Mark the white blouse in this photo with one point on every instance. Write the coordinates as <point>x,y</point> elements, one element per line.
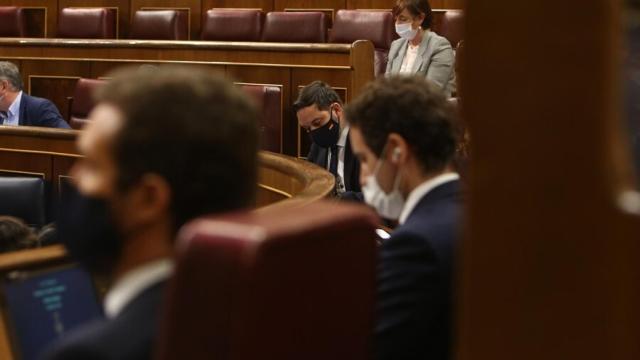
<point>409,59</point>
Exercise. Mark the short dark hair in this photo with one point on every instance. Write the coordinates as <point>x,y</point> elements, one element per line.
<point>318,93</point>
<point>412,107</point>
<point>415,8</point>
<point>15,235</point>
<point>191,127</point>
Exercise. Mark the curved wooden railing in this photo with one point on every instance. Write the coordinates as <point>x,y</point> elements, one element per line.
<point>49,153</point>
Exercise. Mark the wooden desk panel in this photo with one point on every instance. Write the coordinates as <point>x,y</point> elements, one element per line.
<point>50,154</point>
<point>49,66</point>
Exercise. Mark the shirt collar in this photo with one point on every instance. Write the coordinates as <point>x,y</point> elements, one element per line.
<point>15,106</point>
<point>133,283</point>
<point>342,141</point>
<point>422,190</point>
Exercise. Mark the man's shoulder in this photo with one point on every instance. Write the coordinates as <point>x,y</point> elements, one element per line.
<point>34,101</point>
<point>130,335</point>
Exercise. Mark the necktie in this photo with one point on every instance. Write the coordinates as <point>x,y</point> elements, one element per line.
<point>333,164</point>
<point>3,116</point>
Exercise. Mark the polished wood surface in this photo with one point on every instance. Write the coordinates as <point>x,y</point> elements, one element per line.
<point>50,153</point>
<point>549,267</point>
<point>50,67</point>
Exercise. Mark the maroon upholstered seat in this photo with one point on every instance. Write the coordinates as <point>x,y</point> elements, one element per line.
<point>232,25</point>
<point>452,26</point>
<point>377,26</point>
<point>87,23</point>
<point>81,104</point>
<point>284,283</point>
<point>295,27</point>
<point>13,22</point>
<point>160,25</point>
<point>268,99</point>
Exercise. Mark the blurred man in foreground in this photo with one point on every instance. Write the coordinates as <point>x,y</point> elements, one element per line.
<point>403,133</point>
<point>163,147</point>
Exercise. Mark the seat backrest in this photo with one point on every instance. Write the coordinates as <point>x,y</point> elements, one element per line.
<point>232,25</point>
<point>87,23</point>
<point>268,100</point>
<point>295,27</point>
<point>352,25</point>
<point>13,22</point>
<point>23,197</point>
<point>82,101</point>
<point>160,25</point>
<point>452,26</point>
<point>284,283</point>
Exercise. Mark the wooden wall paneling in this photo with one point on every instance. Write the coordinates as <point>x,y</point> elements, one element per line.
<point>55,81</point>
<point>548,267</point>
<point>123,8</point>
<point>61,170</point>
<point>279,76</point>
<point>302,77</point>
<point>193,8</point>
<point>102,69</point>
<point>372,4</point>
<point>454,4</point>
<point>265,5</point>
<point>329,7</point>
<point>51,9</point>
<point>21,163</point>
<point>36,18</point>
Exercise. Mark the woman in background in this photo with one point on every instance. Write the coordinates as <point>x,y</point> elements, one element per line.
<point>420,50</point>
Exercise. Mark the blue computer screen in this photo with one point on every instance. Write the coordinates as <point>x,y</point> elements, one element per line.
<point>44,306</point>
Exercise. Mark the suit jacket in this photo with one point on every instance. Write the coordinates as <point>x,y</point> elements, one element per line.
<point>415,280</point>
<point>435,60</point>
<point>130,335</point>
<point>35,111</point>
<point>319,156</point>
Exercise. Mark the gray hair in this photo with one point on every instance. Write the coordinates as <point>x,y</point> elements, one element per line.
<point>9,71</point>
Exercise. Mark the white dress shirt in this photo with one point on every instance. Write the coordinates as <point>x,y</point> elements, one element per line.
<point>133,283</point>
<point>13,114</point>
<point>342,142</point>
<point>421,191</point>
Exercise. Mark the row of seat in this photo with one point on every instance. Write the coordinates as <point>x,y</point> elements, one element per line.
<point>268,99</point>
<point>230,25</point>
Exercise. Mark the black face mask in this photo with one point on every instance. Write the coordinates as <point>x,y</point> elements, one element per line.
<point>327,135</point>
<point>87,230</point>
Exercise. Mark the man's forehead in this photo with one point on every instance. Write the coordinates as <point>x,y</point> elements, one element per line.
<point>104,122</point>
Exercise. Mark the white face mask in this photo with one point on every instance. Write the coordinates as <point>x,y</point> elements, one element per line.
<point>405,31</point>
<point>389,205</point>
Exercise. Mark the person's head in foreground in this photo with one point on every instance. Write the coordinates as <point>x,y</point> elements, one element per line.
<point>162,147</point>
<point>403,133</point>
<point>15,235</point>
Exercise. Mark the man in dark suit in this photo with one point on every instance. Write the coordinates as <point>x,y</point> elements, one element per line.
<point>402,132</point>
<point>20,109</point>
<point>163,147</point>
<point>319,112</point>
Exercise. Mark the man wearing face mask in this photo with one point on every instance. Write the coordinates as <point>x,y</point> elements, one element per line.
<point>319,111</point>
<point>402,131</point>
<point>163,147</point>
<point>20,109</point>
<point>420,50</point>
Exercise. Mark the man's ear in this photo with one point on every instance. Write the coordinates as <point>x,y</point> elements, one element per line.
<point>151,199</point>
<point>397,149</point>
